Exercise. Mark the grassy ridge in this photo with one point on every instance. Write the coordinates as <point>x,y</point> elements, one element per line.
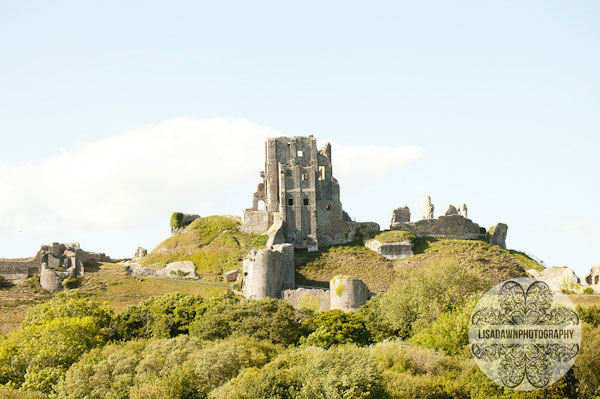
<point>379,273</point>
<point>213,243</point>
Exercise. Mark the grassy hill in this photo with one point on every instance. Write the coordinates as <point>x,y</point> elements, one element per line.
<point>213,243</point>
<point>379,273</point>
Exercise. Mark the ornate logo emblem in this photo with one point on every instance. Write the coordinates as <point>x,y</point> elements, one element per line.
<point>523,336</point>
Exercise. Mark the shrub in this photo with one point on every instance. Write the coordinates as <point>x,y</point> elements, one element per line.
<point>37,356</point>
<point>379,327</point>
<point>589,314</point>
<point>177,220</point>
<point>162,316</point>
<point>71,282</point>
<point>449,332</point>
<point>416,300</point>
<point>340,372</point>
<point>588,363</point>
<point>266,319</point>
<point>588,290</point>
<point>335,327</point>
<point>181,367</point>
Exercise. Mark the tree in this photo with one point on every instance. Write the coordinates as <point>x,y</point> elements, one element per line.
<point>335,327</point>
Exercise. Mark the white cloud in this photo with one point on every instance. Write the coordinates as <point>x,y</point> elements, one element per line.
<point>144,174</point>
<point>358,163</point>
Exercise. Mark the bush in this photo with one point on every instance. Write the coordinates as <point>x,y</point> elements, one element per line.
<point>13,394</point>
<point>589,314</point>
<point>37,356</point>
<point>71,282</point>
<point>181,367</point>
<point>449,332</point>
<point>588,290</point>
<point>340,372</point>
<point>266,319</point>
<point>162,316</point>
<point>335,327</point>
<point>587,365</point>
<point>177,220</point>
<point>415,301</point>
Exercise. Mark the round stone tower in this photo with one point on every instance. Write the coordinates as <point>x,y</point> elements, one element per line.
<point>347,293</point>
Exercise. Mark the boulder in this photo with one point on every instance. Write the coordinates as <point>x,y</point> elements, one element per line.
<point>231,276</point>
<point>184,269</point>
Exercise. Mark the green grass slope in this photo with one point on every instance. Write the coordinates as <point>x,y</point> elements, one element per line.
<point>494,263</point>
<point>213,243</point>
<point>491,261</point>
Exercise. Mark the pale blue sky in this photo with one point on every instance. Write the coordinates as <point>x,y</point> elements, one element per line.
<point>503,99</point>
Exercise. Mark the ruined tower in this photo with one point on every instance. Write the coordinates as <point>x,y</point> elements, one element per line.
<point>298,195</point>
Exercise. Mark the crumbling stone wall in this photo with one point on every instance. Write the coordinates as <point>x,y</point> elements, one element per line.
<point>593,278</point>
<point>498,235</point>
<point>453,226</point>
<point>558,278</point>
<point>53,262</point>
<point>19,269</point>
<point>401,215</point>
<point>313,298</point>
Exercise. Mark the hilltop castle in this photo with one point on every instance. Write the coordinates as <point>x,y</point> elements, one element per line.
<point>300,197</point>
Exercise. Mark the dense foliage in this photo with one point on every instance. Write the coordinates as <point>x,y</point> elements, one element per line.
<point>410,342</point>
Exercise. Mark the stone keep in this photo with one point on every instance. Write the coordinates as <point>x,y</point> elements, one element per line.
<point>299,191</point>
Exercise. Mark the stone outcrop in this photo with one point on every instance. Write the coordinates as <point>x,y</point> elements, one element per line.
<point>391,250</point>
<point>558,278</point>
<point>426,208</point>
<point>400,215</point>
<point>347,293</point>
<point>182,269</point>
<point>498,235</point>
<point>299,190</point>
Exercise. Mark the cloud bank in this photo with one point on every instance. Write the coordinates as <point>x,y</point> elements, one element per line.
<point>181,163</point>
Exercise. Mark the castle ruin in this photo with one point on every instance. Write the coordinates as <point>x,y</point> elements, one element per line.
<point>299,196</point>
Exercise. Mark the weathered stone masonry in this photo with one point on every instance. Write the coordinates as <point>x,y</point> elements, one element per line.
<point>300,194</point>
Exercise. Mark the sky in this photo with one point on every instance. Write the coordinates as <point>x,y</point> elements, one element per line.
<point>115,114</point>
